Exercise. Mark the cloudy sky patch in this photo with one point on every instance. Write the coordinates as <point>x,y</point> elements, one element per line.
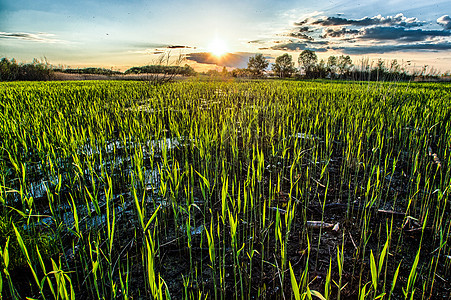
<point>33,37</point>
<point>368,35</point>
<point>398,20</point>
<point>135,32</point>
<point>445,21</point>
<point>232,60</point>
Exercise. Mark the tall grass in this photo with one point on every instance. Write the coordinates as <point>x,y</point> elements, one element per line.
<point>224,190</point>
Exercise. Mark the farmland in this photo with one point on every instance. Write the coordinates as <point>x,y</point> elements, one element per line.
<point>225,190</point>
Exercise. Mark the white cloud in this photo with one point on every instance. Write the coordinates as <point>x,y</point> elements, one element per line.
<point>445,21</point>
<point>34,37</point>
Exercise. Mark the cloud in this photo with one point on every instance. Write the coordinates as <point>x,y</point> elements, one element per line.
<point>332,32</point>
<point>366,35</point>
<point>141,45</point>
<point>400,34</point>
<point>398,20</point>
<point>296,46</point>
<point>292,46</point>
<point>304,29</point>
<point>178,47</point>
<point>300,35</point>
<point>147,51</point>
<point>234,60</point>
<point>156,48</point>
<point>445,21</point>
<point>34,37</point>
<point>431,47</point>
<point>301,23</point>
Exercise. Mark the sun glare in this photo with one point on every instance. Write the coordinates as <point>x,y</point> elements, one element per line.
<point>217,47</point>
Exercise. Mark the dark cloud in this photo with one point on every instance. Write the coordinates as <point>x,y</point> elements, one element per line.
<point>296,46</point>
<point>400,34</point>
<point>332,32</point>
<point>300,35</point>
<point>432,47</point>
<point>235,60</point>
<point>366,35</point>
<point>445,21</point>
<point>332,21</point>
<point>386,33</point>
<point>160,46</point>
<point>156,48</point>
<point>34,37</point>
<point>304,29</point>
<point>398,20</point>
<point>290,46</point>
<point>300,23</point>
<point>178,47</point>
<point>148,45</point>
<point>16,35</point>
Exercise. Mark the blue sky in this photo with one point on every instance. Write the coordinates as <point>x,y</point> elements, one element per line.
<point>121,34</point>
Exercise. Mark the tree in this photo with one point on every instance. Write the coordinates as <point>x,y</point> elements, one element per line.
<point>11,70</point>
<point>240,72</point>
<point>332,66</point>
<point>380,69</point>
<point>394,66</point>
<point>283,66</point>
<point>308,59</point>
<point>320,70</point>
<point>224,72</point>
<point>344,64</point>
<point>257,64</point>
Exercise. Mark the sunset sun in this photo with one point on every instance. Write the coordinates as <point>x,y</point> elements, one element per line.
<point>217,47</point>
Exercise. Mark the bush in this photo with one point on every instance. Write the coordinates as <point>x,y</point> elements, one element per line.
<point>10,70</point>
<point>97,71</point>
<point>161,69</point>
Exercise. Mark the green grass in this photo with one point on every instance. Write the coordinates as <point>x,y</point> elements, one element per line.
<point>201,190</point>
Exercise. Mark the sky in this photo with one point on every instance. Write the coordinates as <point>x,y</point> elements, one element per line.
<point>122,34</point>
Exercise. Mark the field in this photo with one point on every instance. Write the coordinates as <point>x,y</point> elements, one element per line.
<point>225,190</point>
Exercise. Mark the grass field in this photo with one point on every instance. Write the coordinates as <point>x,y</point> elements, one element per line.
<point>225,190</point>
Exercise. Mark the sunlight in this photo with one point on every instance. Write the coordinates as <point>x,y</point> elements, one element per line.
<point>217,47</point>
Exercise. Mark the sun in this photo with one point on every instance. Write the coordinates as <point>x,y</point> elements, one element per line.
<point>217,47</point>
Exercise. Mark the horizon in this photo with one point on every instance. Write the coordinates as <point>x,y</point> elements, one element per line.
<point>211,35</point>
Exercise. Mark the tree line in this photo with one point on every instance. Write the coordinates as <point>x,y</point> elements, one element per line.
<point>90,70</point>
<point>309,66</point>
<point>11,70</point>
<point>335,67</point>
<point>186,70</point>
